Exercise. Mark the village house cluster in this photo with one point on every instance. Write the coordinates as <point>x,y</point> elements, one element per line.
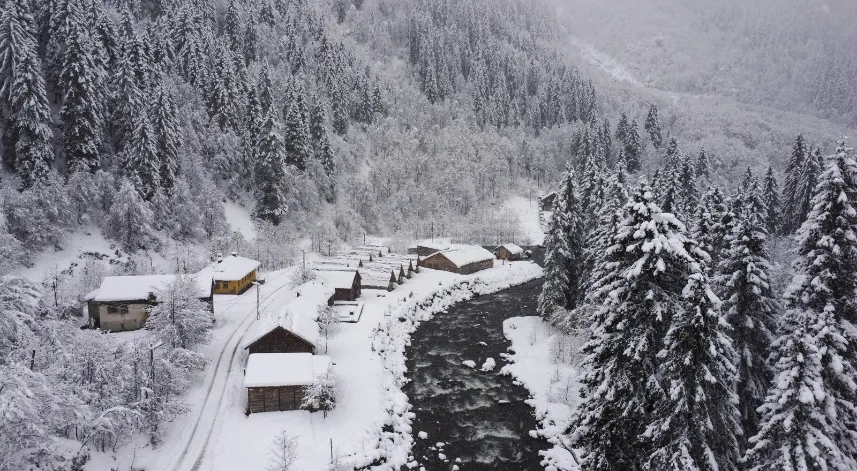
<point>283,355</point>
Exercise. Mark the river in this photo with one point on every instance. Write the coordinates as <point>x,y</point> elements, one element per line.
<point>479,416</point>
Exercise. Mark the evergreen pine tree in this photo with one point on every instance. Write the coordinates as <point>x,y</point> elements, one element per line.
<point>811,170</point>
<point>34,153</point>
<point>82,110</point>
<point>564,256</point>
<point>750,307</point>
<point>633,148</point>
<point>339,110</point>
<point>297,136</point>
<point>771,198</point>
<point>266,90</point>
<point>141,164</point>
<point>653,126</point>
<point>697,422</point>
<point>166,131</point>
<point>810,415</point>
<point>703,166</point>
<point>648,264</point>
<point>689,191</point>
<point>17,41</point>
<point>622,128</point>
<point>672,153</point>
<point>271,173</point>
<point>129,219</point>
<point>791,220</point>
<point>706,229</point>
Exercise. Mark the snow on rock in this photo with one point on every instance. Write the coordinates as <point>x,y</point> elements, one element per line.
<point>552,385</point>
<point>469,363</point>
<point>422,435</point>
<point>489,364</point>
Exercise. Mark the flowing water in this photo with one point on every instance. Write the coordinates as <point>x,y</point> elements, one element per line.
<point>480,416</point>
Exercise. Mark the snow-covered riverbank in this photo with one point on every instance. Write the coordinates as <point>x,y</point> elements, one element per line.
<point>542,361</point>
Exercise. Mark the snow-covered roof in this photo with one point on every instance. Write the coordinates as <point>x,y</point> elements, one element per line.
<point>284,369</point>
<point>135,288</point>
<point>512,248</point>
<point>465,254</point>
<point>298,316</point>
<point>434,245</point>
<point>338,279</point>
<point>234,267</point>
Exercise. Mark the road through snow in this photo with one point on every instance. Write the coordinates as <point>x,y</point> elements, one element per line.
<point>193,444</point>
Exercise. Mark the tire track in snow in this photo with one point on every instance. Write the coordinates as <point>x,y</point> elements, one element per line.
<point>243,327</point>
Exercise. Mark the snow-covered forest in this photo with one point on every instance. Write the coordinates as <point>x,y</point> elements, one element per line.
<point>702,237</point>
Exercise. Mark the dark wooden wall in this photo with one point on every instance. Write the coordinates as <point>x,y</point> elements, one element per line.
<point>280,340</point>
<point>276,398</point>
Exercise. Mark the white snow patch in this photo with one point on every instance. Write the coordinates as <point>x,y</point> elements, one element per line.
<point>528,215</point>
<point>469,363</point>
<point>239,220</point>
<point>489,364</point>
<point>422,435</point>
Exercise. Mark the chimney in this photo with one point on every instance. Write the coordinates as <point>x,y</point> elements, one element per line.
<point>234,254</point>
<point>219,257</point>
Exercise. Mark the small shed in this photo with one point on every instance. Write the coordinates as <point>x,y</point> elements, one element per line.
<point>346,284</point>
<point>293,329</point>
<point>509,252</point>
<point>463,260</point>
<point>234,274</point>
<point>276,381</point>
<point>546,201</point>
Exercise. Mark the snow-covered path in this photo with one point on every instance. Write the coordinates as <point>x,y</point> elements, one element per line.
<point>189,437</point>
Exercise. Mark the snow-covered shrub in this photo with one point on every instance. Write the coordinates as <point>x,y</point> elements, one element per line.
<point>322,393</point>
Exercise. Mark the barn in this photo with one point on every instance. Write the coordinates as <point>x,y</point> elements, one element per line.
<point>234,274</point>
<point>464,260</point>
<point>346,283</point>
<point>122,302</point>
<point>509,252</point>
<point>426,248</point>
<point>294,328</point>
<point>276,381</point>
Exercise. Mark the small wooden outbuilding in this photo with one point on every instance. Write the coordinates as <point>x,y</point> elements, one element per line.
<point>281,340</point>
<point>276,381</point>
<point>424,249</point>
<point>347,284</point>
<point>234,274</point>
<point>463,260</point>
<point>509,252</point>
<point>546,201</point>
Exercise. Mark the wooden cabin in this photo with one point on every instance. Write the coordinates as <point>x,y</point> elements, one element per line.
<point>122,302</point>
<point>546,201</point>
<point>234,274</point>
<point>509,252</point>
<point>463,260</point>
<point>281,340</point>
<point>346,283</point>
<point>276,381</point>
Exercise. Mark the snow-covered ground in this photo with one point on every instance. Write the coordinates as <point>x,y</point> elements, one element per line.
<point>369,363</point>
<point>542,361</point>
<point>528,215</point>
<point>239,220</point>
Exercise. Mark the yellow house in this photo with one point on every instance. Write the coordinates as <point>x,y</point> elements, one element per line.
<point>234,274</point>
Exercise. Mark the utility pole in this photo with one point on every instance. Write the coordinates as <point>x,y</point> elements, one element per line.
<point>256,284</point>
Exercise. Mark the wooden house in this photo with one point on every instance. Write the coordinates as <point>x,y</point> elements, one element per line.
<point>234,274</point>
<point>346,283</point>
<point>509,252</point>
<point>122,302</point>
<point>276,381</point>
<point>546,201</point>
<point>463,260</point>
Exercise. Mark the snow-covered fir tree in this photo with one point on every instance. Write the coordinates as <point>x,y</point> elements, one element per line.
<point>564,247</point>
<point>809,175</point>
<point>165,127</point>
<point>653,126</point>
<point>791,188</point>
<point>297,138</point>
<point>633,148</point>
<point>648,263</point>
<point>809,417</point>
<point>703,165</point>
<point>271,172</point>
<point>771,197</point>
<point>141,164</point>
<point>750,307</point>
<point>129,219</point>
<point>696,424</point>
<point>707,225</point>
